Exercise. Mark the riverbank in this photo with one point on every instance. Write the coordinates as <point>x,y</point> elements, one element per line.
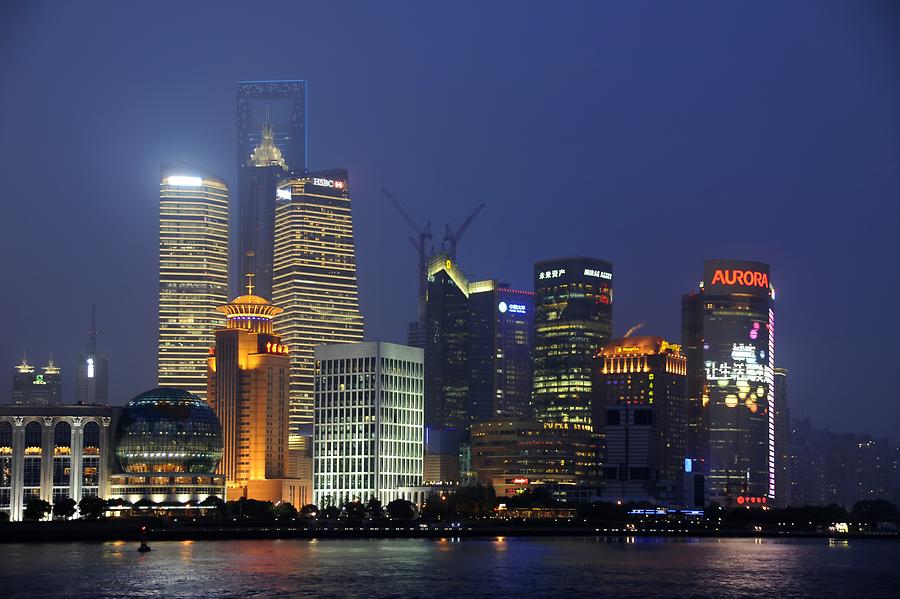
<point>130,530</point>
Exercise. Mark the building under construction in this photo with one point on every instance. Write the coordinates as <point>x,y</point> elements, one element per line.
<point>425,252</point>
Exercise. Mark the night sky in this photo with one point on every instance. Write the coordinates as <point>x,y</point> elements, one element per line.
<point>654,135</point>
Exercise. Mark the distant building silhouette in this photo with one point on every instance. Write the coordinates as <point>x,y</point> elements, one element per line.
<point>92,371</point>
<point>842,468</point>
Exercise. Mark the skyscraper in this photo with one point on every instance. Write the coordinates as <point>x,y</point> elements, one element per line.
<point>92,373</point>
<point>22,380</point>
<point>782,440</point>
<point>641,409</point>
<point>314,278</point>
<point>282,105</point>
<point>249,376</point>
<point>259,178</point>
<point>697,437</point>
<point>477,348</point>
<point>572,322</point>
<point>193,274</point>
<point>368,435</point>
<point>41,389</point>
<point>731,387</point>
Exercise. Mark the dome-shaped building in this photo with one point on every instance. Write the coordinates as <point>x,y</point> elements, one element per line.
<point>168,443</point>
<point>168,430</point>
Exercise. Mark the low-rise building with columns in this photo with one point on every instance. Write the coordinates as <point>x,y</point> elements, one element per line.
<point>53,452</point>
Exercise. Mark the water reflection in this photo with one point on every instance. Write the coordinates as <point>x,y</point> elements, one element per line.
<point>630,566</point>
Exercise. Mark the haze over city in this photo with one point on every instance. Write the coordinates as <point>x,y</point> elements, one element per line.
<point>651,135</point>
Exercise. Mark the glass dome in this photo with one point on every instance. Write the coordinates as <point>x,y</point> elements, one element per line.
<point>168,430</point>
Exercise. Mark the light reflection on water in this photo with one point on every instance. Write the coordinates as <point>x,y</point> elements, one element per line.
<point>448,567</point>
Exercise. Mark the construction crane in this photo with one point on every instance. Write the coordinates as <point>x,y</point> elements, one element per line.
<point>420,246</point>
<point>452,237</point>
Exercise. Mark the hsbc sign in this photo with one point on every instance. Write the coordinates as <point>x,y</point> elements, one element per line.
<point>331,183</point>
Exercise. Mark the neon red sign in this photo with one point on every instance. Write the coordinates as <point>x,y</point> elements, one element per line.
<point>745,278</point>
<point>276,348</point>
<point>742,500</point>
<point>520,481</point>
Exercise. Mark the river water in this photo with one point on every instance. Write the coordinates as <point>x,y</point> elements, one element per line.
<point>517,568</point>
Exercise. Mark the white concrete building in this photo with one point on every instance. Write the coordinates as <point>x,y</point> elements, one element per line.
<point>368,422</point>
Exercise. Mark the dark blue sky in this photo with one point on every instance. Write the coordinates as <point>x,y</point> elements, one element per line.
<point>655,135</point>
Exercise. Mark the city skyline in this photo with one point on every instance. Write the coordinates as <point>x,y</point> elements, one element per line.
<point>118,212</point>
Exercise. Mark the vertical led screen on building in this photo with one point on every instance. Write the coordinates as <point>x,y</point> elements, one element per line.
<point>738,360</point>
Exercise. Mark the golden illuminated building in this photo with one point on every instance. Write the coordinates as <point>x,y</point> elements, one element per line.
<point>193,274</point>
<point>314,279</point>
<point>249,374</point>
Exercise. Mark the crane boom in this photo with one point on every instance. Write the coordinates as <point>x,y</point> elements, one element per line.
<point>423,234</point>
<point>404,213</point>
<point>453,237</point>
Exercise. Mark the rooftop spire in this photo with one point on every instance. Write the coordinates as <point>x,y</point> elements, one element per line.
<point>250,276</point>
<point>24,367</point>
<point>51,367</point>
<point>267,153</point>
<point>92,335</point>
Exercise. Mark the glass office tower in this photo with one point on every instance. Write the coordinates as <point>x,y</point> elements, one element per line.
<point>730,335</point>
<point>280,104</point>
<point>477,348</point>
<point>314,278</point>
<point>193,274</point>
<point>572,322</point>
<point>271,137</point>
<point>259,178</point>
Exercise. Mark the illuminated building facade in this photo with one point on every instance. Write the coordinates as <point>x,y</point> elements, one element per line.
<point>193,274</point>
<point>509,320</point>
<point>641,410</point>
<point>249,385</point>
<point>92,373</point>
<point>477,348</point>
<point>54,452</point>
<point>731,388</point>
<point>259,178</point>
<point>168,444</point>
<point>572,322</point>
<point>314,279</point>
<point>32,388</point>
<point>368,430</point>
<point>516,455</point>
